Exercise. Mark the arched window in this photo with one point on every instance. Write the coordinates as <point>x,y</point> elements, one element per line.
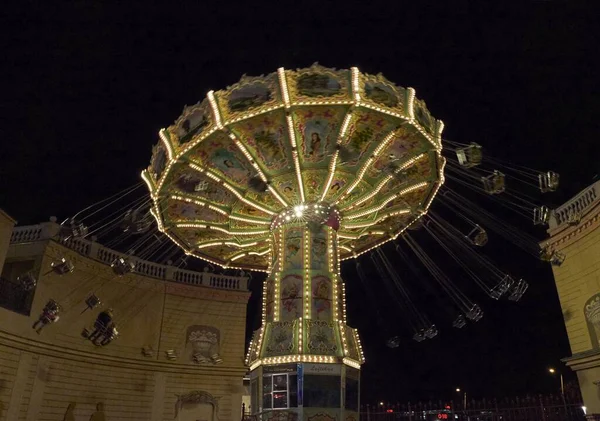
<point>592,317</point>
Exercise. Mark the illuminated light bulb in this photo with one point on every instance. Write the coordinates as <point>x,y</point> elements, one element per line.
<point>214,108</point>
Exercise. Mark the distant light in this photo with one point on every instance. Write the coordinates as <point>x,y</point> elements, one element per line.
<point>381,403</point>
<point>584,409</point>
<point>389,411</point>
<point>458,389</point>
<point>551,370</point>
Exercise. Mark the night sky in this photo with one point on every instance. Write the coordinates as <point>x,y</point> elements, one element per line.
<point>87,88</point>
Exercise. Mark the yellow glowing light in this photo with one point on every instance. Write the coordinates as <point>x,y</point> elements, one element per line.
<point>351,363</point>
<point>215,109</point>
<point>283,86</point>
<point>355,88</point>
<point>148,180</point>
<point>165,141</point>
<point>410,106</point>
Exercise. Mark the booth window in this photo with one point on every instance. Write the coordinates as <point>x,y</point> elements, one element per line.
<point>280,391</point>
<point>351,394</point>
<point>254,396</point>
<point>322,391</point>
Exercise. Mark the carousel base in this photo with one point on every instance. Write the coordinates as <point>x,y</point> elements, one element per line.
<point>305,391</point>
<point>307,414</point>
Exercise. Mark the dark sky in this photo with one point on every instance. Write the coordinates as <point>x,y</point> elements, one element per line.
<point>88,87</point>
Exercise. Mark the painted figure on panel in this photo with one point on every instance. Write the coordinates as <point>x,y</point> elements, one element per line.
<point>359,139</point>
<point>293,249</point>
<point>321,297</point>
<point>315,85</point>
<point>423,116</point>
<point>269,299</point>
<point>336,186</point>
<point>291,297</point>
<point>269,147</point>
<point>381,94</point>
<point>316,138</point>
<point>227,162</point>
<point>394,154</point>
<point>249,97</point>
<point>159,161</point>
<point>194,123</point>
<point>318,251</point>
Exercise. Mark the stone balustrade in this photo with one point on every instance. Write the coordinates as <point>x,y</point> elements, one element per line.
<point>95,251</point>
<point>577,206</point>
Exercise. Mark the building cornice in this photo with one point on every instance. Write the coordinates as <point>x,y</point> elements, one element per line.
<point>566,235</point>
<point>59,352</point>
<point>583,360</point>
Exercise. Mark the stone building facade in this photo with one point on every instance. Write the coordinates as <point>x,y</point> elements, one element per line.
<point>178,356</point>
<point>574,230</point>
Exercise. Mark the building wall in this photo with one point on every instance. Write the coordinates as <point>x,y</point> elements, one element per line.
<point>577,280</point>
<point>6,227</point>
<point>40,374</point>
<point>575,232</point>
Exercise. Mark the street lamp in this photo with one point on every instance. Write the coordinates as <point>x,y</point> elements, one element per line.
<point>464,398</point>
<point>562,384</point>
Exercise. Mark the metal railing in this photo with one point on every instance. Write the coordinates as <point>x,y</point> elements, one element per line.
<point>530,408</point>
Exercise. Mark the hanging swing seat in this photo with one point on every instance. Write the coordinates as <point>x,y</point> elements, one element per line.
<point>573,217</point>
<point>554,257</point>
<point>62,267</point>
<point>477,236</point>
<point>459,322</point>
<point>541,215</point>
<point>27,281</point>
<point>494,183</point>
<point>92,302</point>
<point>431,332</point>
<point>122,266</point>
<point>548,181</point>
<point>517,290</point>
<point>419,336</point>
<point>469,156</point>
<point>475,314</point>
<point>135,222</point>
<point>502,287</point>
<point>393,342</point>
<point>52,306</point>
<point>73,229</point>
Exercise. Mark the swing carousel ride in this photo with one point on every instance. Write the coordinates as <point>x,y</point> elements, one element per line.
<point>295,172</point>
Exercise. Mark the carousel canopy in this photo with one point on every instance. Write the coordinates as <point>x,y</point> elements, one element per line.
<point>295,142</point>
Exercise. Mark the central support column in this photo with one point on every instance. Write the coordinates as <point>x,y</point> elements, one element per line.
<point>304,359</point>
